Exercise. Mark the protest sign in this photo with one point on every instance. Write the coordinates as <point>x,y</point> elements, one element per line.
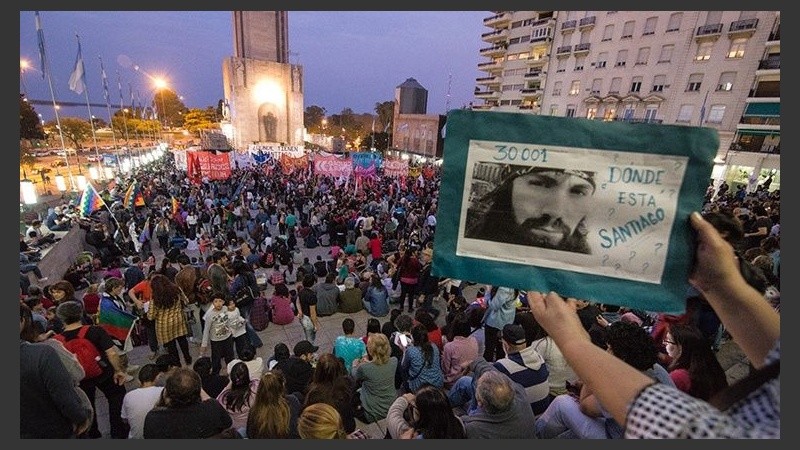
<point>589,209</point>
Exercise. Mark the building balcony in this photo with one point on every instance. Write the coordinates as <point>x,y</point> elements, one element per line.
<point>489,66</point>
<point>541,39</point>
<point>638,120</point>
<point>497,20</point>
<point>755,147</point>
<point>487,81</point>
<point>769,63</point>
<point>775,36</point>
<point>495,35</point>
<point>587,23</point>
<point>531,92</point>
<point>563,51</point>
<point>543,21</point>
<point>742,28</point>
<point>761,120</point>
<point>533,75</point>
<point>488,93</point>
<point>495,50</point>
<point>711,31</point>
<point>483,107</point>
<point>765,93</point>
<point>537,61</point>
<point>569,26</point>
<point>582,48</point>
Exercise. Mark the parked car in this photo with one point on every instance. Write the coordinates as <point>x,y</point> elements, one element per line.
<point>58,163</point>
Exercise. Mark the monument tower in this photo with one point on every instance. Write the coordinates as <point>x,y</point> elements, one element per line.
<point>263,91</point>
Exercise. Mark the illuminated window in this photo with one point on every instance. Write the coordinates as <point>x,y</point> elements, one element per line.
<point>575,87</point>
<point>726,80</point>
<point>704,51</point>
<point>737,48</point>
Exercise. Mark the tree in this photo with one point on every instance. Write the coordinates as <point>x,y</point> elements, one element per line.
<point>30,127</point>
<point>75,129</point>
<point>385,112</point>
<point>312,118</point>
<point>170,108</point>
<point>381,140</point>
<point>200,119</point>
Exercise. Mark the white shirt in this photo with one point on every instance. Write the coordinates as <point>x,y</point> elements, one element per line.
<point>135,406</point>
<point>255,367</point>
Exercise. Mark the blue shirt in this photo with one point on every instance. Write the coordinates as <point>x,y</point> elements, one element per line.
<point>349,349</point>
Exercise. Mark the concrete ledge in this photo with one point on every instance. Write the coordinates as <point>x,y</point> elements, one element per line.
<point>62,254</point>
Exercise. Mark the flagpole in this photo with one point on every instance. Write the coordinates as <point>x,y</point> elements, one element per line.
<point>108,108</point>
<point>703,109</point>
<point>45,65</point>
<point>80,84</point>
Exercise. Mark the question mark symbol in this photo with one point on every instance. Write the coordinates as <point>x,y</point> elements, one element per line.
<point>605,258</point>
<point>617,266</point>
<point>678,165</point>
<point>658,246</point>
<point>633,254</point>
<point>603,186</point>
<point>645,266</point>
<point>611,212</point>
<point>671,193</point>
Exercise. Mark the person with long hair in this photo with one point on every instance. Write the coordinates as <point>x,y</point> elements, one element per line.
<point>694,367</point>
<point>421,362</point>
<point>332,384</point>
<point>322,421</point>
<point>273,414</point>
<point>409,267</point>
<point>376,297</point>
<point>427,414</point>
<point>460,350</point>
<point>239,395</point>
<point>375,374</point>
<point>166,310</point>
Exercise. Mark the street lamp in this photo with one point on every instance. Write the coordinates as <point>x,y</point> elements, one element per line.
<point>23,64</point>
<point>27,189</point>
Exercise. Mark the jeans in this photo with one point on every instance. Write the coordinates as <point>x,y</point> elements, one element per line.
<point>463,394</point>
<point>308,328</point>
<point>31,267</point>
<point>564,419</point>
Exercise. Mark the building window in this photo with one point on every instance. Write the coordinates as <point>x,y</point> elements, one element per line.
<point>704,51</point>
<point>726,80</point>
<point>695,80</point>
<point>659,82</point>
<point>601,60</point>
<point>575,87</point>
<point>622,57</point>
<point>643,56</point>
<point>608,32</point>
<point>591,113</point>
<point>579,62</point>
<point>685,113</point>
<point>609,114</point>
<point>666,53</point>
<point>737,48</point>
<point>597,84</point>
<point>650,113</point>
<point>540,32</point>
<point>674,22</point>
<point>615,85</point>
<point>716,113</point>
<point>554,110</point>
<point>636,84</point>
<point>650,26</point>
<point>629,112</point>
<point>570,111</point>
<point>627,29</point>
<point>562,65</point>
<point>556,88</point>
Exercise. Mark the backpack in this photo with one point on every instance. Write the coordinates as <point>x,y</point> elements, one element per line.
<point>244,296</point>
<point>88,355</point>
<point>259,314</point>
<point>202,288</point>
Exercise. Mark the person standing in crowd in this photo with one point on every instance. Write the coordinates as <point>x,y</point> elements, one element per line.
<point>166,311</point>
<point>217,332</point>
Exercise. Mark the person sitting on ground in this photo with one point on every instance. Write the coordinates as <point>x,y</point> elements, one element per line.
<point>694,367</point>
<point>273,414</point>
<point>426,414</point>
<point>138,402</point>
<point>213,383</point>
<point>349,347</point>
<point>333,385</point>
<point>239,395</point>
<point>255,364</point>
<point>327,296</point>
<point>181,413</point>
<point>350,298</point>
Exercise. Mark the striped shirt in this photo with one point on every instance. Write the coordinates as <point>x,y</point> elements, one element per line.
<point>529,370</point>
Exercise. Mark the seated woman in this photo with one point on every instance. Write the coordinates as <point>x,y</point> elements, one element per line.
<point>239,395</point>
<point>375,375</point>
<point>427,414</point>
<point>273,413</point>
<point>281,306</point>
<point>695,368</point>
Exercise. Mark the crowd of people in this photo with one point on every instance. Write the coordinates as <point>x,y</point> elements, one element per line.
<point>504,364</point>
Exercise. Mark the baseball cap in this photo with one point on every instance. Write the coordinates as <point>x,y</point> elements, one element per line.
<point>304,347</point>
<point>513,334</point>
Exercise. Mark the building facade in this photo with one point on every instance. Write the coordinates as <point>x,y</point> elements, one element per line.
<point>718,69</point>
<point>263,91</point>
<point>414,132</point>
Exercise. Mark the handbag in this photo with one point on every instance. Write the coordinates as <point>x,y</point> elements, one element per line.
<point>244,297</point>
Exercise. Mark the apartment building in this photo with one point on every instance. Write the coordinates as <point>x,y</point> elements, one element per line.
<point>718,69</point>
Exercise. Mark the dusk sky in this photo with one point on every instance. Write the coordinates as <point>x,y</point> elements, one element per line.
<point>350,58</point>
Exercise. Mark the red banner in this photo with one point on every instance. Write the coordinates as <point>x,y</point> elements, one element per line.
<point>207,164</point>
<point>291,164</point>
<point>333,166</point>
<point>365,172</point>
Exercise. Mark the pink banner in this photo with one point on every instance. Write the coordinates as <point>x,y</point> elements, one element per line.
<point>395,168</point>
<point>365,172</point>
<point>332,166</point>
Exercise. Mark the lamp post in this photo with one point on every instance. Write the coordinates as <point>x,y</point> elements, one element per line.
<point>27,189</point>
<point>23,64</point>
<point>161,84</point>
